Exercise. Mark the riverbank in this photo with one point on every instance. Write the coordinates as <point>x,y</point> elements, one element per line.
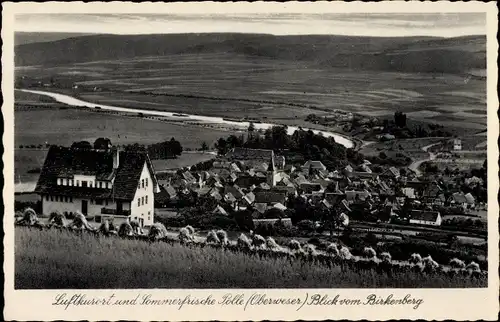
<point>72,101</point>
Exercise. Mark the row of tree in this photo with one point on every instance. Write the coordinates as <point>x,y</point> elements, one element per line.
<point>163,150</point>
<point>307,144</point>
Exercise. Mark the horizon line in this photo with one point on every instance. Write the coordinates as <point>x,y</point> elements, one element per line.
<point>83,34</point>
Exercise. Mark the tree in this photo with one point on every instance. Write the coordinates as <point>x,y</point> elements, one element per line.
<point>102,144</point>
<point>81,145</point>
<point>204,146</point>
<point>244,220</point>
<point>400,119</point>
<point>221,146</point>
<point>251,128</point>
<point>332,219</point>
<point>175,147</point>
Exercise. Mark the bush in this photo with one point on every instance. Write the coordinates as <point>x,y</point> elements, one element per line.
<point>430,264</point>
<point>212,237</point>
<point>415,258</point>
<point>473,266</point>
<point>345,253</point>
<point>332,249</point>
<point>306,225</point>
<point>58,219</point>
<point>385,257</point>
<point>369,252</point>
<point>271,243</point>
<point>125,230</point>
<point>222,235</point>
<point>244,242</point>
<point>310,250</point>
<point>457,263</point>
<point>190,229</point>
<point>157,231</point>
<point>185,235</point>
<point>258,240</point>
<point>294,245</point>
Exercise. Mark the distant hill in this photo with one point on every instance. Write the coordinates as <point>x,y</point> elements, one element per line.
<point>22,38</point>
<point>403,54</point>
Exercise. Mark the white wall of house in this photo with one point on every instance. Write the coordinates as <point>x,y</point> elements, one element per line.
<point>52,204</point>
<point>142,208</point>
<point>78,181</point>
<point>424,222</point>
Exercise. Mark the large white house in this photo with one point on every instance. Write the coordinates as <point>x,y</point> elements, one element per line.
<point>424,217</point>
<point>100,184</point>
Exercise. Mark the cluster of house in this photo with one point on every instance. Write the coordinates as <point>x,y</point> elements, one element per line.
<point>122,185</point>
<point>259,180</point>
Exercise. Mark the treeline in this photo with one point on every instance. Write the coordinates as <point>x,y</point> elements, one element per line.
<point>307,144</point>
<point>402,129</point>
<point>170,149</point>
<point>163,150</point>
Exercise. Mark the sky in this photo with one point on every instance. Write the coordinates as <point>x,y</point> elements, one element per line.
<point>354,24</point>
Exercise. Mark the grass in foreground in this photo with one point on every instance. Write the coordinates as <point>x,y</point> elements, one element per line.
<point>64,260</point>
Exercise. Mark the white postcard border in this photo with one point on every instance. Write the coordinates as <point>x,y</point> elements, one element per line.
<point>439,304</point>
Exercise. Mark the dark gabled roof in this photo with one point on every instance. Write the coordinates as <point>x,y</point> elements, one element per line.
<point>392,171</point>
<point>270,197</point>
<point>459,197</point>
<point>234,190</point>
<point>334,198</point>
<point>424,215</point>
<point>64,161</point>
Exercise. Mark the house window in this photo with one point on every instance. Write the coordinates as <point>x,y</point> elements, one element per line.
<point>142,183</point>
<point>142,201</point>
<point>98,202</point>
<point>149,215</point>
<point>139,202</point>
<point>77,183</point>
<point>146,200</point>
<point>139,185</point>
<point>146,182</point>
<point>100,184</point>
<point>47,198</point>
<point>97,219</point>
<point>84,183</point>
<point>90,184</point>
<point>106,202</point>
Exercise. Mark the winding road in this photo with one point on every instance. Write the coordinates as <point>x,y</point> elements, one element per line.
<point>416,164</point>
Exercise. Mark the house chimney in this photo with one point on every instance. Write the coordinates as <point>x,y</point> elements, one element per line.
<point>116,157</point>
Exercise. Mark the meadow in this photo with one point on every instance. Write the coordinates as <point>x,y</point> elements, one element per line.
<point>235,85</point>
<point>39,121</point>
<point>56,259</point>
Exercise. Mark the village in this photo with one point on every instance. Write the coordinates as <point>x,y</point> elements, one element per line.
<point>257,190</point>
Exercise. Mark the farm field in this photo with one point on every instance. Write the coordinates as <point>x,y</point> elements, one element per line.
<point>231,85</point>
<point>87,261</point>
<point>184,160</point>
<point>38,126</point>
<point>44,125</point>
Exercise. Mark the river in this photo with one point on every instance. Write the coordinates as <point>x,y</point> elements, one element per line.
<point>72,101</point>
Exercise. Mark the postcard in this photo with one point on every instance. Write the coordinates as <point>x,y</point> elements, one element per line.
<point>250,161</point>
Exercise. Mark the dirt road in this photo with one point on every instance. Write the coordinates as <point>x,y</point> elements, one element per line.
<point>416,164</point>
